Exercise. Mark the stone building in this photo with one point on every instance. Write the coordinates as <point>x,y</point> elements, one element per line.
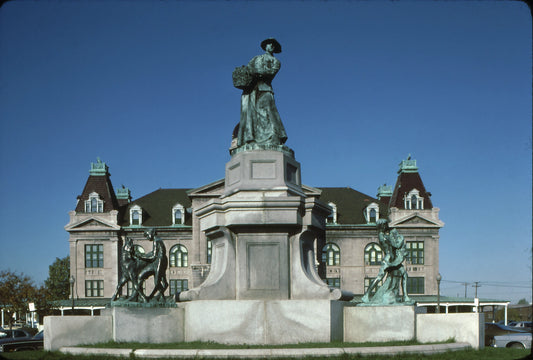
<point>348,256</point>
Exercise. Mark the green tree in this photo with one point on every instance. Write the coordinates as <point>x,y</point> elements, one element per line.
<point>16,292</point>
<point>57,285</point>
<point>522,301</point>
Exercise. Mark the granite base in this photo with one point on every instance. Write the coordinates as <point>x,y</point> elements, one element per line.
<point>379,323</point>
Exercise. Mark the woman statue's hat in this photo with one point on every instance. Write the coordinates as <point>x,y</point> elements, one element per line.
<point>277,46</point>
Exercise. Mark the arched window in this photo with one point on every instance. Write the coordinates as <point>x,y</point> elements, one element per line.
<point>413,200</point>
<point>94,204</point>
<point>179,256</point>
<point>178,215</point>
<point>331,255</point>
<point>373,254</point>
<point>332,217</point>
<point>372,213</point>
<point>136,217</point>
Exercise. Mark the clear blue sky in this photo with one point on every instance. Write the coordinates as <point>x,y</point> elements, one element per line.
<point>146,86</point>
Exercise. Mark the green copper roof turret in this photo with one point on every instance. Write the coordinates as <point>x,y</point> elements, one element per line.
<point>99,168</point>
<point>123,193</point>
<point>408,166</point>
<point>384,191</point>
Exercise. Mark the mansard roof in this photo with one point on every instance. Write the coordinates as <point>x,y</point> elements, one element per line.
<point>409,179</point>
<point>406,182</point>
<point>103,187</point>
<point>350,204</point>
<point>98,182</point>
<point>157,207</point>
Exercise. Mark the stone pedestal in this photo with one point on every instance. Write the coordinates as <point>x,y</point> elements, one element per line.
<point>264,230</point>
<point>62,331</point>
<point>146,325</point>
<point>263,322</point>
<point>379,323</point>
<point>463,327</point>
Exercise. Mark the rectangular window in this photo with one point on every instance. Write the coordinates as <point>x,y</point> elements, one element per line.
<point>178,285</point>
<point>94,256</point>
<point>209,251</point>
<point>334,282</point>
<point>415,285</point>
<point>94,288</point>
<point>415,252</point>
<point>129,288</point>
<point>368,282</point>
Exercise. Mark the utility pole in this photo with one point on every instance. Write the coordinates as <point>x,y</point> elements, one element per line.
<point>465,284</point>
<point>476,285</point>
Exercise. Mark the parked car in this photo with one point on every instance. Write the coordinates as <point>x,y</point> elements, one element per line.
<point>14,335</point>
<point>515,340</point>
<point>35,343</point>
<point>525,325</point>
<point>492,329</point>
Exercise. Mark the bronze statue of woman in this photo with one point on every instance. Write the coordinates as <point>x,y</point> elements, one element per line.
<point>260,121</point>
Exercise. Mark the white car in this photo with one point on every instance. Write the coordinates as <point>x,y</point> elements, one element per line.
<point>525,325</point>
<point>517,341</point>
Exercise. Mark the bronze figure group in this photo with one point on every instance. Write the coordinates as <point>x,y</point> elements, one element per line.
<point>392,272</point>
<point>137,267</point>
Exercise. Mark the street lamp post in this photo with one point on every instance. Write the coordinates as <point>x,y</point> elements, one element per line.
<point>72,280</point>
<point>439,278</point>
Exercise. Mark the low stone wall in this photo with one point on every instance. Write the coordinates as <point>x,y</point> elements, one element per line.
<point>379,323</point>
<point>146,325</point>
<point>222,321</point>
<point>398,323</point>
<point>463,327</point>
<point>263,322</point>
<point>60,331</point>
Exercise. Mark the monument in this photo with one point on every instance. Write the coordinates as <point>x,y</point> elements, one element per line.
<point>265,228</point>
<point>264,231</point>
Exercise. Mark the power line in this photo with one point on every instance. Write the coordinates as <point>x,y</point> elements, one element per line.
<point>510,284</point>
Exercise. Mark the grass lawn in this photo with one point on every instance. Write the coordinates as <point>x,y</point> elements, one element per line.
<point>485,354</point>
<point>213,345</point>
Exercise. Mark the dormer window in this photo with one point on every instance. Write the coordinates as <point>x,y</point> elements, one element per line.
<point>94,204</point>
<point>332,217</point>
<point>413,200</point>
<point>372,213</point>
<point>136,215</point>
<point>178,215</point>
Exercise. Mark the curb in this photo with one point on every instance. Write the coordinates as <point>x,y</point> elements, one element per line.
<point>267,353</point>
